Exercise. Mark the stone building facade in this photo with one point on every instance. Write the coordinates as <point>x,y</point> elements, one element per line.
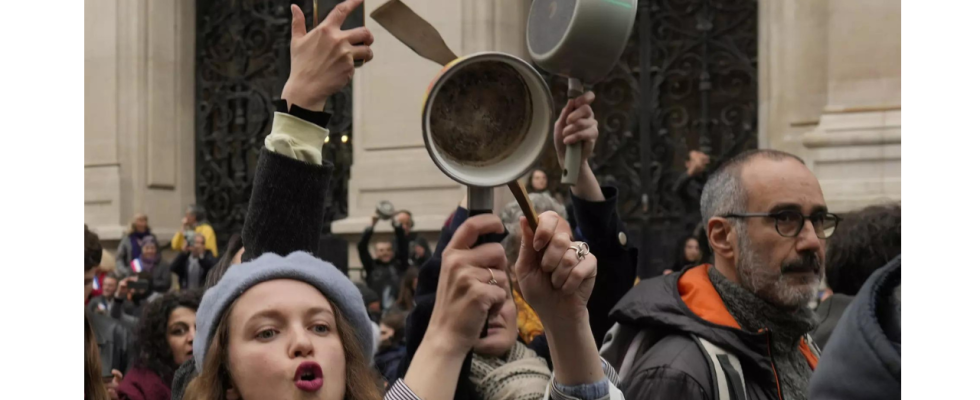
<point>829,81</point>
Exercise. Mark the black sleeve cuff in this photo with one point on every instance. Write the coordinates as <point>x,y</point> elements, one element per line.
<point>598,220</point>
<point>318,118</point>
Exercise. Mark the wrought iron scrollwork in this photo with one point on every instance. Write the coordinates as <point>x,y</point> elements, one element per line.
<point>700,66</point>
<point>242,56</point>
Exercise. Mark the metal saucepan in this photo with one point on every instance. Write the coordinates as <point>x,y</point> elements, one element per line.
<point>581,40</point>
<point>486,116</point>
<point>385,210</point>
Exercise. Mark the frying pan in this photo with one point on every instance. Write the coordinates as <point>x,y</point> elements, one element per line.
<point>581,40</point>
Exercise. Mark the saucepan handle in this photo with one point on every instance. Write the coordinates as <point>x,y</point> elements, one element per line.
<point>573,152</point>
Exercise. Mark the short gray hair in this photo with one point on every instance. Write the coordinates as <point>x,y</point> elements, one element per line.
<point>511,214</point>
<point>724,192</point>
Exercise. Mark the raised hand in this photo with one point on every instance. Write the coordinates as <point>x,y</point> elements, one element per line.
<point>577,124</point>
<point>557,283</point>
<point>113,386</point>
<point>472,284</point>
<point>322,60</point>
<point>122,290</point>
<point>553,279</point>
<point>697,162</point>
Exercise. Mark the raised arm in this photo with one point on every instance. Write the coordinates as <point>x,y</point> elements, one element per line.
<point>463,300</point>
<point>557,277</point>
<point>594,209</point>
<point>286,211</point>
<point>362,248</point>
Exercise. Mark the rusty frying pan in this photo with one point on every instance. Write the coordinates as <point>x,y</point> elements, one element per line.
<point>581,40</point>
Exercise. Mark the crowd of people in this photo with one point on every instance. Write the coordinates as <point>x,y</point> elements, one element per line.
<point>496,309</point>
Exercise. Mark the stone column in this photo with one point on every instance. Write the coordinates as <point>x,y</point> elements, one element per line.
<point>139,113</point>
<point>390,160</point>
<point>855,150</point>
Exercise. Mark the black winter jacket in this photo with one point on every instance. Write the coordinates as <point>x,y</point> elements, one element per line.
<point>180,264</point>
<point>674,367</point>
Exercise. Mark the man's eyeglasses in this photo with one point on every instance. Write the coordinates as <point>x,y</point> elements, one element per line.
<point>789,223</point>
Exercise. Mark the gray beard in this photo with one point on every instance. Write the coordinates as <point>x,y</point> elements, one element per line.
<point>772,286</point>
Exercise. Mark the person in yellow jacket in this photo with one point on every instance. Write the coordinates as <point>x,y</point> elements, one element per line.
<point>195,223</point>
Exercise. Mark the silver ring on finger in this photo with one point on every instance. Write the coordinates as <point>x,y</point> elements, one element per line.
<point>493,281</point>
<point>581,249</point>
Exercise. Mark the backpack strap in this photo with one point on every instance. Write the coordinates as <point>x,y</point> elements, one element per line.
<point>631,352</point>
<point>726,371</point>
<point>813,345</point>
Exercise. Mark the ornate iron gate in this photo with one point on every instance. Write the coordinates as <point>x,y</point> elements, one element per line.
<point>242,62</point>
<point>687,81</point>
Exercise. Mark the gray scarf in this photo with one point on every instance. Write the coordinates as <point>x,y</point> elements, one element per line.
<point>753,314</point>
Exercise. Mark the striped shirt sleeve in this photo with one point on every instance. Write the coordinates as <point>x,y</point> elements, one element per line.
<point>400,391</point>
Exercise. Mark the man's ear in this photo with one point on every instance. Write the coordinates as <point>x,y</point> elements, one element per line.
<point>721,237</point>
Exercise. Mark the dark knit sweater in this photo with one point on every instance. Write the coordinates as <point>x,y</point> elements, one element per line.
<point>753,314</point>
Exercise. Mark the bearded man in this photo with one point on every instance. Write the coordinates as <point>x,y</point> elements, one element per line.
<point>736,329</point>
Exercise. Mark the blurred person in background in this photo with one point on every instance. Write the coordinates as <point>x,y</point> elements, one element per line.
<point>866,240</point>
<point>165,339</point>
<point>407,241</point>
<point>382,271</point>
<point>391,349</point>
<point>151,265</point>
<point>195,223</point>
<point>406,293</point>
<point>193,264</point>
<point>686,253</point>
<point>371,301</point>
<point>106,267</point>
<point>101,303</point>
<point>111,339</point>
<point>97,387</point>
<point>537,182</point>
<point>129,247</point>
<point>149,278</point>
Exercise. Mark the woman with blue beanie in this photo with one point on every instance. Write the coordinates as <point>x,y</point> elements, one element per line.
<point>283,327</point>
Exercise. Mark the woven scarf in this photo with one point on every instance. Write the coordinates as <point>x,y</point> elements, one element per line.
<point>519,375</point>
<point>753,314</point>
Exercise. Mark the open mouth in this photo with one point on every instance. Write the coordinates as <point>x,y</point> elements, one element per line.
<point>308,377</point>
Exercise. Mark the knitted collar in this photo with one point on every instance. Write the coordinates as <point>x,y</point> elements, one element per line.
<point>753,314</point>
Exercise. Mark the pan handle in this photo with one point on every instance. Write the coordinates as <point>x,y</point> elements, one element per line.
<point>573,152</point>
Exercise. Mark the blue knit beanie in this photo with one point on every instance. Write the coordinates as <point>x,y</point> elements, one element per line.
<point>298,266</point>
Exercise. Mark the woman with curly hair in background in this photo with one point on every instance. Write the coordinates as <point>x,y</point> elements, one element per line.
<point>166,335</point>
